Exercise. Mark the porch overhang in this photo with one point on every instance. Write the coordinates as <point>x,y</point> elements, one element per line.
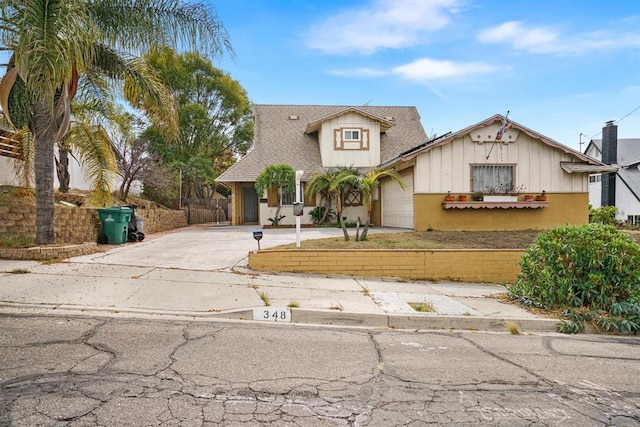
<point>571,167</point>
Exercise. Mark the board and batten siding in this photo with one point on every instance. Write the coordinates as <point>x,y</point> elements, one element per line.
<point>537,166</point>
<point>331,157</point>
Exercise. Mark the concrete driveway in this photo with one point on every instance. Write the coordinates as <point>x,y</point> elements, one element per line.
<point>208,248</point>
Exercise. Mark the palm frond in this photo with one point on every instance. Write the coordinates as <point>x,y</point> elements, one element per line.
<point>93,148</point>
<point>56,36</point>
<point>137,25</point>
<point>141,85</point>
<point>23,167</point>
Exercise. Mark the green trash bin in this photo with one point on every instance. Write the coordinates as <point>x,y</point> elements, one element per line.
<point>115,223</point>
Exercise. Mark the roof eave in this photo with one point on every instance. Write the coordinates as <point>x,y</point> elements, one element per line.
<point>385,124</point>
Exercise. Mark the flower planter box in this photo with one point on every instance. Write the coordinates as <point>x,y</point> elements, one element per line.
<point>500,198</point>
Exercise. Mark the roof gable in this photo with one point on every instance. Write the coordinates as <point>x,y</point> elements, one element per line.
<point>385,122</point>
<point>281,136</point>
<point>628,150</point>
<point>498,118</point>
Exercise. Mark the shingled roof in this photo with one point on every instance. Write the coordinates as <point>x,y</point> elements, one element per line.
<point>279,139</point>
<point>628,158</point>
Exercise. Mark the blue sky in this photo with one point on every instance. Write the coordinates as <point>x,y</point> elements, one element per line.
<point>561,67</point>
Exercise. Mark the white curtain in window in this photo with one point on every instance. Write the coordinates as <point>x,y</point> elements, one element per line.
<point>492,178</point>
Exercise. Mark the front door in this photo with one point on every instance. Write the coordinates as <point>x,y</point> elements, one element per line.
<point>250,204</point>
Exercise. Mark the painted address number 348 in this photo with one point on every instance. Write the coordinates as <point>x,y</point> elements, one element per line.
<point>272,314</point>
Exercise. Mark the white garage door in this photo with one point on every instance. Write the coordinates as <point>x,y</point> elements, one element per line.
<point>397,204</point>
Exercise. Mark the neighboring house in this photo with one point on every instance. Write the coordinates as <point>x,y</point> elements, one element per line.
<point>315,138</point>
<point>9,150</point>
<point>472,160</point>
<point>622,188</point>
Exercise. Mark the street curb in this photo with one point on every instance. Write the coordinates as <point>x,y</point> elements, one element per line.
<point>397,321</point>
<point>302,316</point>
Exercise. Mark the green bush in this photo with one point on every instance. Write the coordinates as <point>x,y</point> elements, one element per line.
<point>603,215</point>
<point>317,213</point>
<point>19,241</point>
<point>591,270</point>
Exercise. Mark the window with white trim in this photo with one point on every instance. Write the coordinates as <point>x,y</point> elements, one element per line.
<point>595,178</point>
<point>633,219</point>
<point>351,135</point>
<point>492,178</point>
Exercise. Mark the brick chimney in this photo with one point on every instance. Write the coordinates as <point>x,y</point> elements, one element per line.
<point>609,157</point>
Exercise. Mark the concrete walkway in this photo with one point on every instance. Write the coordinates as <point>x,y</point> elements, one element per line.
<point>201,273</point>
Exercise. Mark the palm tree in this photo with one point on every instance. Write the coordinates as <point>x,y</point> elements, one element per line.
<point>53,42</point>
<point>346,181</point>
<point>368,183</point>
<point>320,183</point>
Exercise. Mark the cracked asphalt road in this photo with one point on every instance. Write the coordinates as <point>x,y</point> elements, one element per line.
<point>65,371</point>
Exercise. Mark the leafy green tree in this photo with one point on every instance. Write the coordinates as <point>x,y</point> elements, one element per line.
<point>53,42</point>
<point>214,115</point>
<point>276,176</point>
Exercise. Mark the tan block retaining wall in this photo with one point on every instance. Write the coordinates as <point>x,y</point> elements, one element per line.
<point>49,253</point>
<point>465,265</point>
<point>73,225</point>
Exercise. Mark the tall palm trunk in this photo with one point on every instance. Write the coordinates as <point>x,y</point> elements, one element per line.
<point>366,224</point>
<point>341,221</point>
<point>43,136</point>
<point>327,207</point>
<point>62,169</point>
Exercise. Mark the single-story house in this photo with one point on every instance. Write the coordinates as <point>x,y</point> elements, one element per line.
<point>620,188</point>
<point>496,157</point>
<point>525,180</point>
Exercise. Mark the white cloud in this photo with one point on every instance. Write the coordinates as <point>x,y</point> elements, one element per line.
<point>383,24</point>
<point>425,69</point>
<point>421,70</point>
<point>542,40</point>
<point>360,72</point>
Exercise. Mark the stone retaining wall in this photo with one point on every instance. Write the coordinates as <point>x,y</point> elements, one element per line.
<point>157,220</point>
<point>466,265</point>
<point>73,225</point>
<point>49,253</point>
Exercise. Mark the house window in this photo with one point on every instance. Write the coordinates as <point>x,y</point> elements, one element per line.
<point>492,178</point>
<point>633,219</point>
<point>287,197</point>
<point>595,178</point>
<point>353,198</point>
<point>351,139</point>
<point>351,135</point>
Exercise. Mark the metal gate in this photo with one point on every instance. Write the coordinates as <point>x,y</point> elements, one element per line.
<point>207,211</point>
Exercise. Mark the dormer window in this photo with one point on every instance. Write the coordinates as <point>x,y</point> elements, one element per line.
<point>351,135</point>
<point>351,139</point>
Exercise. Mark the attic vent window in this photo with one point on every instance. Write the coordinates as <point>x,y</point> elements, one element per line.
<point>294,117</point>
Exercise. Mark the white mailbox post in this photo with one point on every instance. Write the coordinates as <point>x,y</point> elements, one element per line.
<point>298,178</point>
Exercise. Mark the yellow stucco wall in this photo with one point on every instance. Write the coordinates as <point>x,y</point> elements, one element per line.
<point>467,265</point>
<point>563,209</point>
